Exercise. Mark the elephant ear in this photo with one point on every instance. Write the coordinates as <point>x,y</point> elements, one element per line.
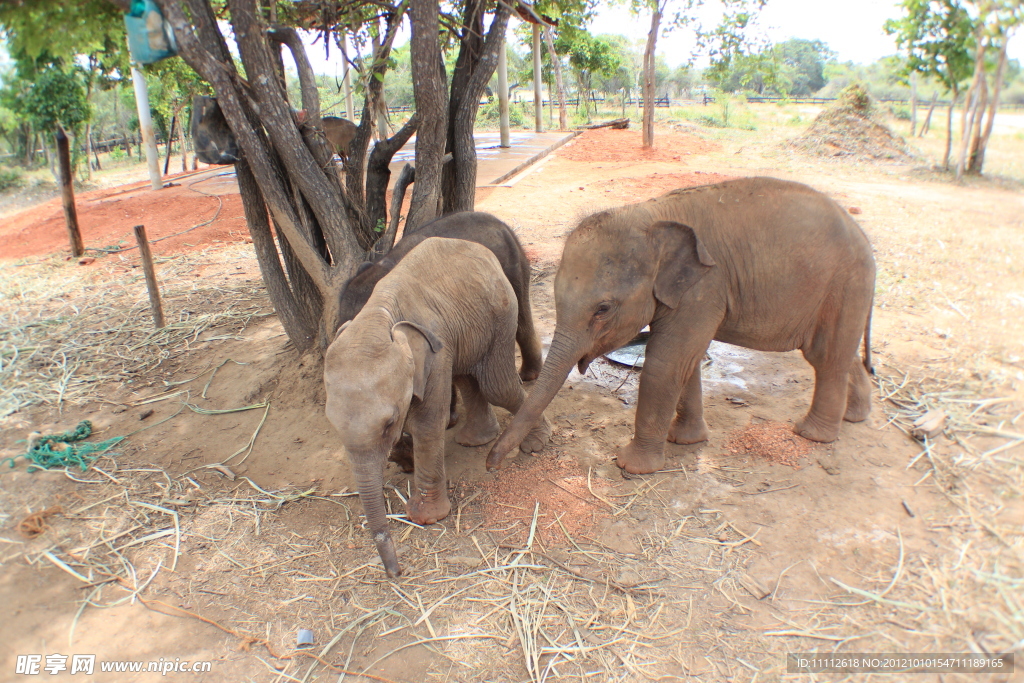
<point>341,328</point>
<point>683,261</point>
<point>423,362</point>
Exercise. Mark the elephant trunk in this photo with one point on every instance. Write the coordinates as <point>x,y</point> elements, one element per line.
<point>370,480</point>
<point>565,351</point>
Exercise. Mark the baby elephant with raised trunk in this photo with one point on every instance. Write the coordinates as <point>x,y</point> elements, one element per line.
<point>760,263</point>
<point>445,313</point>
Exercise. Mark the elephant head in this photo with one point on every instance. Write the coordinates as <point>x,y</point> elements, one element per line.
<point>372,373</point>
<point>618,267</point>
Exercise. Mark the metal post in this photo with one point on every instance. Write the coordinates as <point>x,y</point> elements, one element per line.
<point>503,94</point>
<point>146,127</point>
<point>538,114</point>
<point>350,113</point>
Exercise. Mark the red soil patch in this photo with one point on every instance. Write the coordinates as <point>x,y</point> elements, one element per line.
<point>106,218</point>
<point>772,441</point>
<point>558,484</point>
<point>606,144</point>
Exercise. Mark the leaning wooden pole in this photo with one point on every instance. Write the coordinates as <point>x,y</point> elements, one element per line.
<point>150,271</point>
<point>67,193</point>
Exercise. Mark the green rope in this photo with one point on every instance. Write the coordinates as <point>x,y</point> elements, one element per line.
<point>57,450</point>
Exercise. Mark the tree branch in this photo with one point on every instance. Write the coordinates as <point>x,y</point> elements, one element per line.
<point>253,147</point>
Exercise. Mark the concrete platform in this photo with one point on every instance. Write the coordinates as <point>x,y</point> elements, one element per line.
<point>495,164</point>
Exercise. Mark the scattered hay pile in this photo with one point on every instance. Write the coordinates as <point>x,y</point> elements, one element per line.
<point>850,127</point>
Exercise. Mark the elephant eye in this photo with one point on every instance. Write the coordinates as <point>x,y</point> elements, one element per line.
<point>602,309</point>
<point>387,427</point>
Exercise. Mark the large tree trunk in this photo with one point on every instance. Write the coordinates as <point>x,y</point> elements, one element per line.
<point>477,60</point>
<point>649,73</point>
<point>428,85</point>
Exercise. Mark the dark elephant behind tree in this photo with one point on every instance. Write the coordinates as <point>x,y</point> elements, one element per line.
<point>473,226</point>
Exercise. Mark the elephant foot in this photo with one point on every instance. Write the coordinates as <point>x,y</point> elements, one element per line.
<point>693,431</point>
<point>427,509</point>
<point>817,430</point>
<point>538,437</point>
<point>529,373</point>
<point>478,430</point>
<point>637,460</point>
<point>401,453</point>
<point>857,411</point>
<point>858,399</point>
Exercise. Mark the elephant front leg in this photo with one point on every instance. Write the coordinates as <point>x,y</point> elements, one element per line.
<point>688,425</point>
<point>429,502</point>
<point>659,391</point>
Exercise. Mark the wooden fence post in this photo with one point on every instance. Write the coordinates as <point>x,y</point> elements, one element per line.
<point>67,193</point>
<point>150,271</point>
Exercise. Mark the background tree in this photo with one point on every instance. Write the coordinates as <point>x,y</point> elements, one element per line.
<point>937,36</point>
<point>721,43</point>
<point>804,62</point>
<point>997,20</point>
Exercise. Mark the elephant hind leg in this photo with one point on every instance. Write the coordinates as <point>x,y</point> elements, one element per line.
<point>688,426</point>
<point>480,425</point>
<point>501,387</point>
<point>858,401</point>
<point>526,337</point>
<point>830,352</point>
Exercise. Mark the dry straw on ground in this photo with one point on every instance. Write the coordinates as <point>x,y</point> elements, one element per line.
<point>62,338</point>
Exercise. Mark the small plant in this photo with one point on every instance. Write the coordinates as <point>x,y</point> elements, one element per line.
<point>118,154</point>
<point>11,177</point>
<point>900,112</point>
<point>489,114</point>
<point>710,120</point>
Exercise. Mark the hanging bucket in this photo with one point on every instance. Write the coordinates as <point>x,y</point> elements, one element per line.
<point>150,38</point>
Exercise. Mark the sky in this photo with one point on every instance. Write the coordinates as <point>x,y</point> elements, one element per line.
<point>853,29</point>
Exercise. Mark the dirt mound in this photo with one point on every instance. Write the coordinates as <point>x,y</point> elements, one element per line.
<point>608,144</point>
<point>771,441</point>
<point>560,486</point>
<point>851,127</point>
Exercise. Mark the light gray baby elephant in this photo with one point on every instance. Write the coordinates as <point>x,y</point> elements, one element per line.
<point>445,312</point>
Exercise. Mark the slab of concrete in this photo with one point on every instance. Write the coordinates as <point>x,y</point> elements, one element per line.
<point>496,164</point>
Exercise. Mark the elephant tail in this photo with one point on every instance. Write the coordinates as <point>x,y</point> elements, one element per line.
<point>867,341</point>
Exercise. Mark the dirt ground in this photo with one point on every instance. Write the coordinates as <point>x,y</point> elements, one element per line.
<point>216,536</point>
